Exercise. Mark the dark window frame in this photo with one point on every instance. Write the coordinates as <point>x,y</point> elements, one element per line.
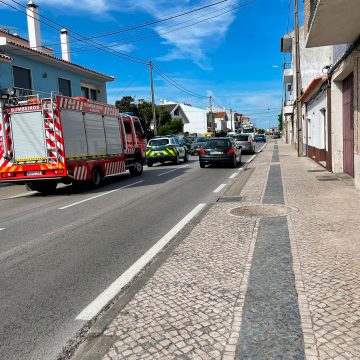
<point>69,83</point>
<point>30,77</point>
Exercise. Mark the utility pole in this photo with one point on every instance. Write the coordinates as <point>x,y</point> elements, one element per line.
<point>298,80</point>
<point>152,96</point>
<point>231,120</point>
<point>211,112</point>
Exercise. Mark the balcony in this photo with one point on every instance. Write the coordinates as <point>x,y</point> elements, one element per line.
<point>286,44</point>
<point>288,73</point>
<point>333,22</point>
<point>288,107</point>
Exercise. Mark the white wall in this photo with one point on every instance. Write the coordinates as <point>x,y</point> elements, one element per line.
<point>197,119</point>
<point>316,123</point>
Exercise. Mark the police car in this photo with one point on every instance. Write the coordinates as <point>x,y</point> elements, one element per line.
<point>166,148</point>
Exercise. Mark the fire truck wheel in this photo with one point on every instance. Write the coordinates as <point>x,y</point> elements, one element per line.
<point>95,177</point>
<point>137,168</point>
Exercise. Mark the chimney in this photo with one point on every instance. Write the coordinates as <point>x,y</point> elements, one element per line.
<point>33,18</point>
<point>65,46</point>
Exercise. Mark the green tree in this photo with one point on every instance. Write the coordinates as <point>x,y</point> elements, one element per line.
<point>261,131</point>
<point>280,121</point>
<point>174,126</point>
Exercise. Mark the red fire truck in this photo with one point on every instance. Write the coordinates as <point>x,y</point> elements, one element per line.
<point>49,140</point>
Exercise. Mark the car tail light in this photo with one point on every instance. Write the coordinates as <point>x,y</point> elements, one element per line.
<point>230,151</point>
<point>202,151</point>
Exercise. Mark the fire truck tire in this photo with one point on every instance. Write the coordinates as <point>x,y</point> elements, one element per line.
<point>137,168</point>
<point>96,177</point>
<point>43,187</point>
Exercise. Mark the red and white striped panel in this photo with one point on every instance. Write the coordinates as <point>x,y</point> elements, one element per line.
<point>112,168</point>
<point>80,173</point>
<point>130,151</point>
<point>54,138</point>
<point>4,160</point>
<point>71,104</point>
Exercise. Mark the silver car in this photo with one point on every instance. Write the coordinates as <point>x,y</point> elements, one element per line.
<point>246,142</point>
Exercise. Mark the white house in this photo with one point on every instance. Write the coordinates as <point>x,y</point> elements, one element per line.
<point>194,119</point>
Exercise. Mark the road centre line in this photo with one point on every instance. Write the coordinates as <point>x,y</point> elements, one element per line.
<point>108,294</point>
<point>102,194</point>
<point>29,193</point>
<point>1,229</point>
<point>218,189</point>
<point>233,176</point>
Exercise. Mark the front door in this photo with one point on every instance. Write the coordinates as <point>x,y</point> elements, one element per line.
<point>348,121</point>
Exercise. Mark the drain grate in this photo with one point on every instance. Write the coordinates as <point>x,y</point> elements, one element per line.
<point>262,210</point>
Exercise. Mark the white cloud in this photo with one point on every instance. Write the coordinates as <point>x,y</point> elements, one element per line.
<point>193,42</point>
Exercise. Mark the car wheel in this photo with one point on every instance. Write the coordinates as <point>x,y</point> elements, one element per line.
<point>177,160</point>
<point>186,157</point>
<point>150,163</point>
<point>234,162</point>
<point>202,164</point>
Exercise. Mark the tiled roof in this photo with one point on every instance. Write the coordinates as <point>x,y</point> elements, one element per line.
<point>5,57</point>
<point>219,115</point>
<point>20,38</point>
<point>61,61</point>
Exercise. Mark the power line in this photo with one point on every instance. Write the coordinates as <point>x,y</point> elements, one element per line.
<point>134,27</point>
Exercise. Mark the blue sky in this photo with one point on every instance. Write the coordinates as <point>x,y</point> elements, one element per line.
<point>230,57</point>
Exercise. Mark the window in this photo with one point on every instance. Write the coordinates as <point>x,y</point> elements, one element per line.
<point>158,142</point>
<point>65,87</point>
<point>85,92</point>
<point>93,94</point>
<point>127,126</point>
<point>138,128</point>
<point>22,78</point>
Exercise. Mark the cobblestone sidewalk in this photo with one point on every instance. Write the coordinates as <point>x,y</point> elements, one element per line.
<point>254,287</point>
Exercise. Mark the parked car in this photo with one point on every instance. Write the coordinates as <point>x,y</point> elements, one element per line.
<point>197,144</point>
<point>220,150</point>
<point>188,141</point>
<point>246,142</point>
<point>260,137</point>
<point>166,148</point>
<point>276,135</point>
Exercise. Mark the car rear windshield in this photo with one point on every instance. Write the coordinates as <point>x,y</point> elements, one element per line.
<point>241,137</point>
<point>158,142</point>
<point>248,131</point>
<point>218,143</point>
<point>201,140</point>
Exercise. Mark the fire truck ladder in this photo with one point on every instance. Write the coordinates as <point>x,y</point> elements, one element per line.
<point>50,130</point>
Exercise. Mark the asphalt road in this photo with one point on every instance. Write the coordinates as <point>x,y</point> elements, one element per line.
<point>59,252</point>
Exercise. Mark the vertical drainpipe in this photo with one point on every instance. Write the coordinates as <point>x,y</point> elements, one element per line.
<point>328,105</point>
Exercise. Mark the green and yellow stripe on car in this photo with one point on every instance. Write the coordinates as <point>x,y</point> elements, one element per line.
<point>162,152</point>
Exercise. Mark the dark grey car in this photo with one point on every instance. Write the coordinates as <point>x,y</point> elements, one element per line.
<point>246,142</point>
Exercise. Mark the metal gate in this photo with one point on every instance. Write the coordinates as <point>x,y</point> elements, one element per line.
<point>348,121</point>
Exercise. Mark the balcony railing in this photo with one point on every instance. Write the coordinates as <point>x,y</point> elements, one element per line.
<point>313,6</point>
<point>287,66</point>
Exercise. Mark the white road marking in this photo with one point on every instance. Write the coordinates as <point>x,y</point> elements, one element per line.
<point>2,229</point>
<point>251,159</point>
<point>262,148</point>
<point>233,176</point>
<point>29,193</point>
<point>218,189</point>
<point>97,196</point>
<point>170,171</point>
<point>108,294</point>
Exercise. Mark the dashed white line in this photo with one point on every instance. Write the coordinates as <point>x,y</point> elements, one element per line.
<point>108,294</point>
<point>29,193</point>
<point>251,159</point>
<point>233,176</point>
<point>218,189</point>
<point>1,229</point>
<point>97,196</point>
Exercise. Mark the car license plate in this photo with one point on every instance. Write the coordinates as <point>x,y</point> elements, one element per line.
<point>33,173</point>
<point>216,153</point>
